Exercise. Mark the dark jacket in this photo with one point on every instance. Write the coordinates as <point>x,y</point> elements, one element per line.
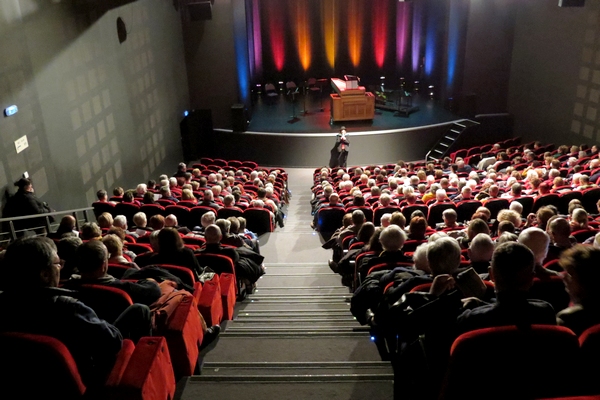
<point>93,343</point>
<point>511,308</point>
<point>578,318</point>
<point>25,203</point>
<point>143,291</point>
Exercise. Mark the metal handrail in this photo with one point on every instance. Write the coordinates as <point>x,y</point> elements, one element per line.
<point>14,232</point>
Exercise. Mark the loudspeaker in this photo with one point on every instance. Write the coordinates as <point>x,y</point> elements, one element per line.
<point>571,3</point>
<point>239,120</point>
<point>121,30</point>
<point>196,134</point>
<point>200,10</point>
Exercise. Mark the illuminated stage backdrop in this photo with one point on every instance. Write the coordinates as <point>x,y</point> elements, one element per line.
<point>298,39</point>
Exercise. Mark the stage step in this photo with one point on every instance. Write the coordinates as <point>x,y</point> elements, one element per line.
<point>448,142</point>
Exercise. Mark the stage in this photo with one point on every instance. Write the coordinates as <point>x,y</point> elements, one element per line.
<point>275,115</point>
<point>274,138</point>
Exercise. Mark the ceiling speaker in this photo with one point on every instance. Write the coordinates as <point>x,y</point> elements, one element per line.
<point>571,3</point>
<point>200,10</point>
<point>121,30</point>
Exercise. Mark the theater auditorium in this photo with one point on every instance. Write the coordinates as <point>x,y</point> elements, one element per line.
<point>300,199</point>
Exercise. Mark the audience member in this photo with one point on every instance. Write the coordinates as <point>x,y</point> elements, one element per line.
<point>581,279</point>
<point>537,241</point>
<point>92,260</point>
<point>33,264</point>
<point>512,270</point>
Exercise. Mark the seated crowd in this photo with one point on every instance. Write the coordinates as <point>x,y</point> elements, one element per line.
<point>420,283</point>
<point>210,188</point>
<point>142,258</point>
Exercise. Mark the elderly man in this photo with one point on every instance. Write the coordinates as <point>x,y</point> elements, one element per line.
<point>537,241</point>
<point>209,201</point>
<point>33,264</point>
<point>120,221</point>
<point>334,201</point>
<point>559,231</point>
<point>213,236</point>
<point>208,218</point>
<point>102,196</point>
<point>165,193</point>
<point>91,259</point>
<point>358,219</point>
<point>140,191</point>
<point>512,270</point>
<point>450,220</point>
<point>386,220</point>
<point>392,240</point>
<point>466,193</point>
<point>424,321</point>
<point>248,264</point>
<point>480,252</point>
<point>92,262</point>
<point>140,221</point>
<point>171,222</point>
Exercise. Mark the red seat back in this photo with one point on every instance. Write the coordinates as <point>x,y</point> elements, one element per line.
<point>108,302</point>
<point>25,355</point>
<point>521,360</point>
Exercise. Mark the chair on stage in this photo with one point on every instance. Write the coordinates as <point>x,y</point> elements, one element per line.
<point>314,86</point>
<point>292,91</point>
<point>271,93</point>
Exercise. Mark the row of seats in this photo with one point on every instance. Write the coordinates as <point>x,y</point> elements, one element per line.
<point>330,218</point>
<point>257,219</point>
<point>40,366</point>
<point>148,370</point>
<point>541,362</point>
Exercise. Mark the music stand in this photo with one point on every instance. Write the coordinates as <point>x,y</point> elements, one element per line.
<point>304,90</point>
<point>292,90</point>
<point>321,83</point>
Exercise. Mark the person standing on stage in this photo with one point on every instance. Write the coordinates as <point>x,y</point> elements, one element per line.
<point>339,153</point>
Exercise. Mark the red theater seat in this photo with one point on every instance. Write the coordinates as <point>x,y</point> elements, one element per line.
<point>141,372</point>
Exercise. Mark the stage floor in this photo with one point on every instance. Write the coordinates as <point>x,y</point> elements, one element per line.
<point>275,115</point>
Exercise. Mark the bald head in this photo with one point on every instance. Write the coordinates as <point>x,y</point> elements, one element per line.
<point>212,234</point>
<point>481,248</point>
<point>559,230</point>
<point>512,267</point>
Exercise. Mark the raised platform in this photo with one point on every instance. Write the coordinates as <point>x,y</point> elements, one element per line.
<point>270,140</point>
<point>274,114</point>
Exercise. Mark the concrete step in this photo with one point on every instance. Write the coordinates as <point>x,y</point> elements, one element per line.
<point>270,306</point>
<point>319,290</point>
<point>287,330</point>
<point>341,348</point>
<point>292,325</point>
<point>288,270</point>
<point>306,319</point>
<point>261,295</point>
<point>308,313</point>
<point>284,388</point>
<point>358,368</point>
<point>273,279</point>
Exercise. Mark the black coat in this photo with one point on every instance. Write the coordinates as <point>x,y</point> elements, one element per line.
<point>25,203</point>
<point>93,343</point>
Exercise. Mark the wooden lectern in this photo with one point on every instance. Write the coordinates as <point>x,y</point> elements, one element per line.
<point>351,104</point>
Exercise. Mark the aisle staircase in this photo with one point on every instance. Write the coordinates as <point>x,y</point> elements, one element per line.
<point>294,338</point>
<point>450,140</point>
